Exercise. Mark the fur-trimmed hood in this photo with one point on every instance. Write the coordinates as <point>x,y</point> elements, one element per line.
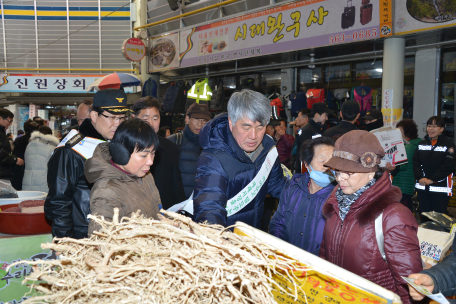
<point>49,139</point>
<point>370,204</point>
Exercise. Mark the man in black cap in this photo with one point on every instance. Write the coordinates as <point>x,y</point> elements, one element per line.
<point>68,201</point>
<point>318,117</point>
<point>350,114</point>
<point>373,119</point>
<point>188,143</point>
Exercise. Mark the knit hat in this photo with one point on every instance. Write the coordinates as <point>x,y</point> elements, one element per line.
<point>356,151</point>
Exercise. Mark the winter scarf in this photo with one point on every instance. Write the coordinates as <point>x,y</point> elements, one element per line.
<point>346,200</point>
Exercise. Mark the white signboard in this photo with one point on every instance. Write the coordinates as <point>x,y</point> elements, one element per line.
<point>48,83</point>
<point>293,26</point>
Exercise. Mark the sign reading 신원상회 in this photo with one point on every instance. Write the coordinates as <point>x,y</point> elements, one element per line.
<point>294,26</point>
<point>47,83</point>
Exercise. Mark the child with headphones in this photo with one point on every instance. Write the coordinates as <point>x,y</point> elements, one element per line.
<point>120,172</point>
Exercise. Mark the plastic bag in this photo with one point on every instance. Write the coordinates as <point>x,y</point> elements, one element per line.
<point>441,219</point>
<point>6,190</point>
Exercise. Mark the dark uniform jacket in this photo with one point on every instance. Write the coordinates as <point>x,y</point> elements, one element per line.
<point>436,163</point>
<point>68,201</point>
<point>311,129</point>
<point>189,152</point>
<point>342,128</point>
<point>7,160</point>
<point>167,174</point>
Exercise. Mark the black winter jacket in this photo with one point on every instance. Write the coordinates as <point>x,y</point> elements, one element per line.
<point>189,152</point>
<point>7,160</point>
<point>309,130</point>
<point>68,201</point>
<point>166,173</point>
<point>342,128</point>
<point>20,144</point>
<point>436,163</point>
<point>444,275</point>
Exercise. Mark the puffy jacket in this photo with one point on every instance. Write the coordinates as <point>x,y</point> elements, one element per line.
<point>7,160</point>
<point>352,244</point>
<point>223,170</point>
<point>200,92</point>
<point>403,175</point>
<point>189,152</point>
<point>436,163</point>
<point>149,88</point>
<point>113,188</point>
<point>298,219</point>
<point>444,275</point>
<point>170,97</point>
<point>37,155</point>
<point>284,145</point>
<point>68,201</point>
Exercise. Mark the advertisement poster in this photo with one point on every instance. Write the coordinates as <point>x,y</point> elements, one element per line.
<point>164,52</point>
<point>16,249</point>
<point>422,15</point>
<point>294,26</point>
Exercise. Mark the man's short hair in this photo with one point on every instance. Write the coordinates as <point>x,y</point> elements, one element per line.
<point>305,112</point>
<point>4,113</point>
<point>249,104</point>
<point>88,102</point>
<point>45,130</point>
<point>350,109</point>
<point>145,103</point>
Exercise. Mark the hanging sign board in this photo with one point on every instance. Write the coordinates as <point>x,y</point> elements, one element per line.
<point>164,52</point>
<point>48,83</point>
<point>412,16</point>
<point>133,49</point>
<point>294,26</point>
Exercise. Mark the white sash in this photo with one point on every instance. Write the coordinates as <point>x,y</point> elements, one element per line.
<point>85,147</point>
<point>246,195</point>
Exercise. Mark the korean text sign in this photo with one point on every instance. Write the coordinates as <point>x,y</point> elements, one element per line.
<point>294,26</point>
<point>46,83</point>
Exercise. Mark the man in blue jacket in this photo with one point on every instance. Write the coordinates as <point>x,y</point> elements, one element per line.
<point>238,165</point>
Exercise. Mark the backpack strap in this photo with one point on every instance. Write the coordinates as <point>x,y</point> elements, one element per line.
<point>379,235</point>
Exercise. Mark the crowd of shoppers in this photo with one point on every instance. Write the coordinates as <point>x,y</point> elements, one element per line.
<point>229,165</point>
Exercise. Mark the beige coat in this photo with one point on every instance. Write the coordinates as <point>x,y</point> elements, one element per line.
<point>114,188</point>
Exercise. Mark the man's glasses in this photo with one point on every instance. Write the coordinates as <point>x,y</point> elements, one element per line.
<point>114,119</point>
<point>9,120</point>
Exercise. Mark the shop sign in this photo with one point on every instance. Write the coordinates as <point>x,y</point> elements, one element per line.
<point>164,52</point>
<point>18,249</point>
<point>294,26</point>
<point>47,83</point>
<point>133,49</point>
<point>412,16</point>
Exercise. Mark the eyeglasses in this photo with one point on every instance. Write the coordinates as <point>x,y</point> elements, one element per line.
<point>114,119</point>
<point>9,120</point>
<point>343,174</point>
<point>199,121</point>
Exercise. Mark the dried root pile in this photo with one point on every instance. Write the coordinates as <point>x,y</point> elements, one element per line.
<point>175,260</point>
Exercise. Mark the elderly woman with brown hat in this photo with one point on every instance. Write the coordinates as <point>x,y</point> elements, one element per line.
<point>368,231</point>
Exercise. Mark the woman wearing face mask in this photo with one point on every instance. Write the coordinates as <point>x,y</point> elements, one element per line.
<point>119,171</point>
<point>364,194</point>
<point>298,219</point>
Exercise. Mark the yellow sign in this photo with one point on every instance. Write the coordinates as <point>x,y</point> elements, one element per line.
<point>317,280</point>
<point>391,116</point>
